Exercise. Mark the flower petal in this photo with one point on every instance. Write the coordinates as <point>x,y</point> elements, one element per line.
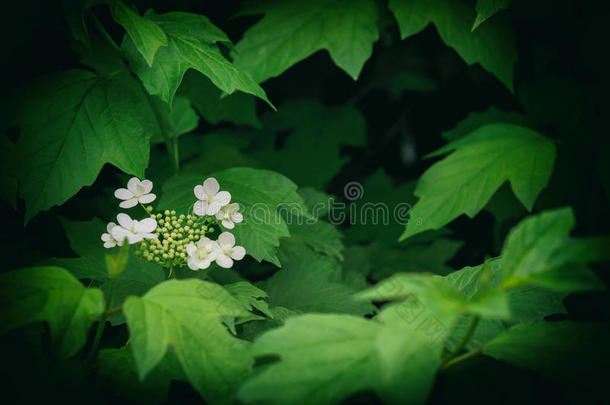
<point>124,220</point>
<point>123,194</point>
<point>132,184</point>
<point>110,226</point>
<point>226,240</point>
<point>200,208</point>
<point>237,217</point>
<point>204,241</point>
<point>133,238</point>
<point>119,233</point>
<point>223,197</point>
<point>193,263</point>
<point>211,186</point>
<point>204,264</point>
<point>147,185</point>
<point>238,252</point>
<point>228,224</point>
<point>191,249</point>
<point>213,208</point>
<point>109,244</point>
<point>224,261</point>
<point>199,193</point>
<point>149,235</point>
<point>147,198</point>
<point>146,225</point>
<point>106,237</point>
<point>129,203</point>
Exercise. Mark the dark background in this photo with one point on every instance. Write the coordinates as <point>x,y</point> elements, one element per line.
<point>561,81</point>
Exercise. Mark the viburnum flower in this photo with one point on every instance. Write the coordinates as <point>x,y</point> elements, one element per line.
<point>209,199</point>
<point>228,251</point>
<point>137,191</point>
<point>108,239</point>
<point>133,230</point>
<point>229,215</point>
<point>202,254</point>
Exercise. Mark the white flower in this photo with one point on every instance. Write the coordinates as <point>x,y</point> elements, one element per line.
<point>136,192</point>
<point>132,230</point>
<point>108,239</point>
<point>228,251</point>
<point>202,254</point>
<point>229,215</point>
<point>209,199</point>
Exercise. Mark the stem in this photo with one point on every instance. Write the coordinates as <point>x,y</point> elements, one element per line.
<point>144,208</point>
<point>102,324</point>
<point>172,148</point>
<point>171,271</point>
<point>113,310</point>
<point>100,27</point>
<point>460,346</point>
<point>460,358</point>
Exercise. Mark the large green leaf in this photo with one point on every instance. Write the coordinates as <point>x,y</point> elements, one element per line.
<point>262,194</point>
<point>192,43</point>
<point>492,45</point>
<point>323,359</point>
<point>74,124</point>
<point>52,295</point>
<point>463,182</point>
<point>310,153</point>
<point>487,8</point>
<point>186,314</point>
<point>292,30</point>
<point>310,282</point>
<point>476,120</point>
<point>137,278</point>
<point>145,34</point>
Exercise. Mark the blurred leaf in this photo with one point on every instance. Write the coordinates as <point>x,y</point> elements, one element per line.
<point>137,278</point>
<point>487,8</point>
<point>186,314</point>
<point>310,282</point>
<point>237,108</point>
<point>260,194</point>
<point>252,297</point>
<point>492,45</point>
<point>310,154</point>
<point>145,34</point>
<point>179,119</point>
<point>463,182</point>
<point>381,209</point>
<point>292,30</point>
<point>117,367</point>
<point>74,124</point>
<point>52,295</point>
<point>192,43</point>
<point>554,348</point>
<point>537,251</point>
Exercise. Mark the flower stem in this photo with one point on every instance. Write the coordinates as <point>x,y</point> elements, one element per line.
<point>460,358</point>
<point>460,346</point>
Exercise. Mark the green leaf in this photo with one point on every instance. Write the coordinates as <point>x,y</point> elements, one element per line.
<point>186,314</point>
<point>310,154</point>
<point>260,193</point>
<point>52,295</point>
<point>317,234</point>
<point>538,251</point>
<point>137,278</point>
<point>192,43</point>
<point>73,125</point>
<point>292,30</point>
<point>237,108</point>
<point>492,45</point>
<point>463,182</point>
<point>145,34</point>
<point>310,282</point>
<point>118,373</point>
<point>487,8</point>
<point>554,348</point>
<point>252,297</point>
<point>323,359</point>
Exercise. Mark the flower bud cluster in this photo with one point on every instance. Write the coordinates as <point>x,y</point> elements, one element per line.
<point>174,232</point>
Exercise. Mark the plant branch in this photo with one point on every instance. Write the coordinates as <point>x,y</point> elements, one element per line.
<point>460,358</point>
<point>460,346</point>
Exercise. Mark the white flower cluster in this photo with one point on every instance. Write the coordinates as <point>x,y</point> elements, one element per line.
<point>178,240</point>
